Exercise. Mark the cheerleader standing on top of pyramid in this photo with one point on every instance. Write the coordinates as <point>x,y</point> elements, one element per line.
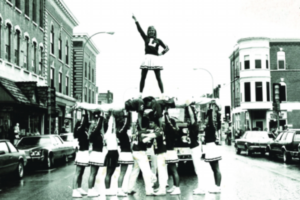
<point>151,60</point>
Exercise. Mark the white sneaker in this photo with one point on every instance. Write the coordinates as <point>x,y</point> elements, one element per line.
<point>120,193</point>
<point>76,194</point>
<point>176,191</point>
<point>199,191</point>
<point>81,191</point>
<point>171,189</point>
<point>160,193</point>
<point>156,190</point>
<point>110,192</point>
<point>92,193</point>
<point>215,189</point>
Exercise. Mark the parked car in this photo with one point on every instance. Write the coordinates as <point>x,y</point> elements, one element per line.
<point>11,160</point>
<point>286,145</point>
<point>253,141</point>
<point>45,149</point>
<point>69,138</point>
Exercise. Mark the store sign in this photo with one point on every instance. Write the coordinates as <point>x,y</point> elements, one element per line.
<point>282,115</point>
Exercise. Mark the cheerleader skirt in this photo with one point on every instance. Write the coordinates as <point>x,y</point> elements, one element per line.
<point>97,158</point>
<point>172,156</point>
<point>212,152</point>
<point>111,158</point>
<point>125,158</point>
<point>151,62</point>
<point>82,158</point>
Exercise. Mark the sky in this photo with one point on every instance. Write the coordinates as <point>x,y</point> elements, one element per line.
<point>200,34</point>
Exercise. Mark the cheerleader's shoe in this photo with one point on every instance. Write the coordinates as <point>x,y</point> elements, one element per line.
<point>199,191</point>
<point>81,191</point>
<point>110,192</point>
<point>121,193</point>
<point>160,193</point>
<point>176,191</point>
<point>171,189</point>
<point>76,194</point>
<point>92,193</point>
<point>215,189</point>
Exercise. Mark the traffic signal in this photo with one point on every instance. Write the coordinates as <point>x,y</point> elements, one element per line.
<point>227,113</point>
<point>276,93</point>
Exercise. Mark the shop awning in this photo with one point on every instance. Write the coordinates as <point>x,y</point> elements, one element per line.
<point>10,92</point>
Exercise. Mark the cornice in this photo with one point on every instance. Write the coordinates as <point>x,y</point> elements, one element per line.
<point>66,10</point>
<point>83,37</point>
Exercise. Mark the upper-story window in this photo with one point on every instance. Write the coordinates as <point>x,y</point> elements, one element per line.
<point>27,8</point>
<point>33,56</point>
<point>8,43</point>
<point>17,3</point>
<point>90,96</point>
<point>282,92</point>
<point>52,40</point>
<point>85,94</point>
<point>17,47</point>
<point>247,92</point>
<point>92,75</point>
<point>60,49</point>
<point>281,59</point>
<point>60,82</point>
<point>40,72</point>
<point>85,70</point>
<point>268,91</point>
<point>67,85</point>
<point>257,62</point>
<point>246,62</point>
<point>26,53</point>
<point>267,62</point>
<point>34,10</point>
<point>67,52</point>
<point>52,77</point>
<point>89,71</point>
<point>41,13</point>
<point>258,91</point>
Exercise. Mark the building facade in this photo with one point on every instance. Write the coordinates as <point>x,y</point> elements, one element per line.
<point>255,64</point>
<point>105,98</point>
<point>85,52</point>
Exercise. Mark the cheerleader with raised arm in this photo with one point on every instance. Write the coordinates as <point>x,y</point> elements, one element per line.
<point>96,156</point>
<point>112,156</point>
<point>82,156</point>
<point>151,60</point>
<point>123,124</point>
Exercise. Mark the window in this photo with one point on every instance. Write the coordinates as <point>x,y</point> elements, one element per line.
<point>34,10</point>
<point>41,14</point>
<point>18,4</point>
<point>247,92</point>
<point>281,59</point>
<point>40,62</point>
<point>33,56</point>
<point>17,47</point>
<point>59,49</point>
<point>282,92</point>
<point>93,75</point>
<point>297,137</point>
<point>289,137</point>
<point>3,147</point>
<point>268,91</point>
<point>12,148</point>
<point>89,71</point>
<point>257,64</point>
<point>90,95</point>
<point>52,40</point>
<point>246,62</point>
<point>258,91</point>
<point>8,43</point>
<point>52,77</point>
<point>93,97</point>
<point>27,8</point>
<point>85,94</point>
<point>85,70</point>
<point>26,53</point>
<point>67,85</point>
<point>67,53</point>
<point>267,62</point>
<point>60,82</point>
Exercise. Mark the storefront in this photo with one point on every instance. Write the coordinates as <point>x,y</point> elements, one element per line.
<point>272,119</point>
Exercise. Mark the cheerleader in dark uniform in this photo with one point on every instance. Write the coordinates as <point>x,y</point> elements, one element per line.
<point>171,132</point>
<point>150,62</point>
<point>123,124</point>
<point>212,151</point>
<point>96,156</point>
<point>82,156</point>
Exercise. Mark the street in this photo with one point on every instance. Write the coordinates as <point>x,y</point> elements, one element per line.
<point>243,177</point>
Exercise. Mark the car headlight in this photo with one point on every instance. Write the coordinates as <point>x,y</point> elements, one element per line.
<point>36,153</point>
<point>185,130</point>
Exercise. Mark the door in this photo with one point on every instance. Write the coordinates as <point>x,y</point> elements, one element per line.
<point>260,125</point>
<point>4,159</point>
<point>13,157</point>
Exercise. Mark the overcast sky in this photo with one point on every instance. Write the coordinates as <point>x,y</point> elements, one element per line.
<point>200,34</point>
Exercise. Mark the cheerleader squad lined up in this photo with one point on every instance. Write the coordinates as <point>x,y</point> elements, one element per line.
<point>115,124</point>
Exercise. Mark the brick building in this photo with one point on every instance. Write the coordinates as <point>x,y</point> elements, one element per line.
<point>255,64</point>
<point>85,52</point>
<point>105,98</point>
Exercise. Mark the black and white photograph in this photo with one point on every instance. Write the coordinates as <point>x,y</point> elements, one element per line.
<point>150,99</point>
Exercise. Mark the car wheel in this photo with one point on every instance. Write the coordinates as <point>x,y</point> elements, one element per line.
<point>248,152</point>
<point>286,157</point>
<point>50,161</point>
<point>20,170</point>
<point>237,150</point>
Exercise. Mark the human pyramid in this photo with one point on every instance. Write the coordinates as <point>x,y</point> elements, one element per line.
<point>114,128</point>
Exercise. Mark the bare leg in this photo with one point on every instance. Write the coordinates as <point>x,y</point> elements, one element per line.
<point>143,79</point>
<point>217,174</point>
<point>122,174</point>
<point>174,173</point>
<point>78,177</point>
<point>109,172</point>
<point>92,177</point>
<point>159,81</point>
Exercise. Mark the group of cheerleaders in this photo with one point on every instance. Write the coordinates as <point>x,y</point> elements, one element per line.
<point>114,128</point>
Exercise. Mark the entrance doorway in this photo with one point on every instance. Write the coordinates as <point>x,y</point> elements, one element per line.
<point>259,125</point>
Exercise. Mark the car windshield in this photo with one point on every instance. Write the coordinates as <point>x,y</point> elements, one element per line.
<point>34,141</point>
<point>67,138</point>
<point>257,135</point>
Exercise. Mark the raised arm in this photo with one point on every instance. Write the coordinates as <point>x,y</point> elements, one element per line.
<point>139,28</point>
<point>97,128</point>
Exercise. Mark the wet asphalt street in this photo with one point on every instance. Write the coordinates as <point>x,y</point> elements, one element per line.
<point>243,177</point>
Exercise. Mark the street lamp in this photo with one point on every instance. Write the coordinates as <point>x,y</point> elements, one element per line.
<point>212,80</point>
<point>110,33</point>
